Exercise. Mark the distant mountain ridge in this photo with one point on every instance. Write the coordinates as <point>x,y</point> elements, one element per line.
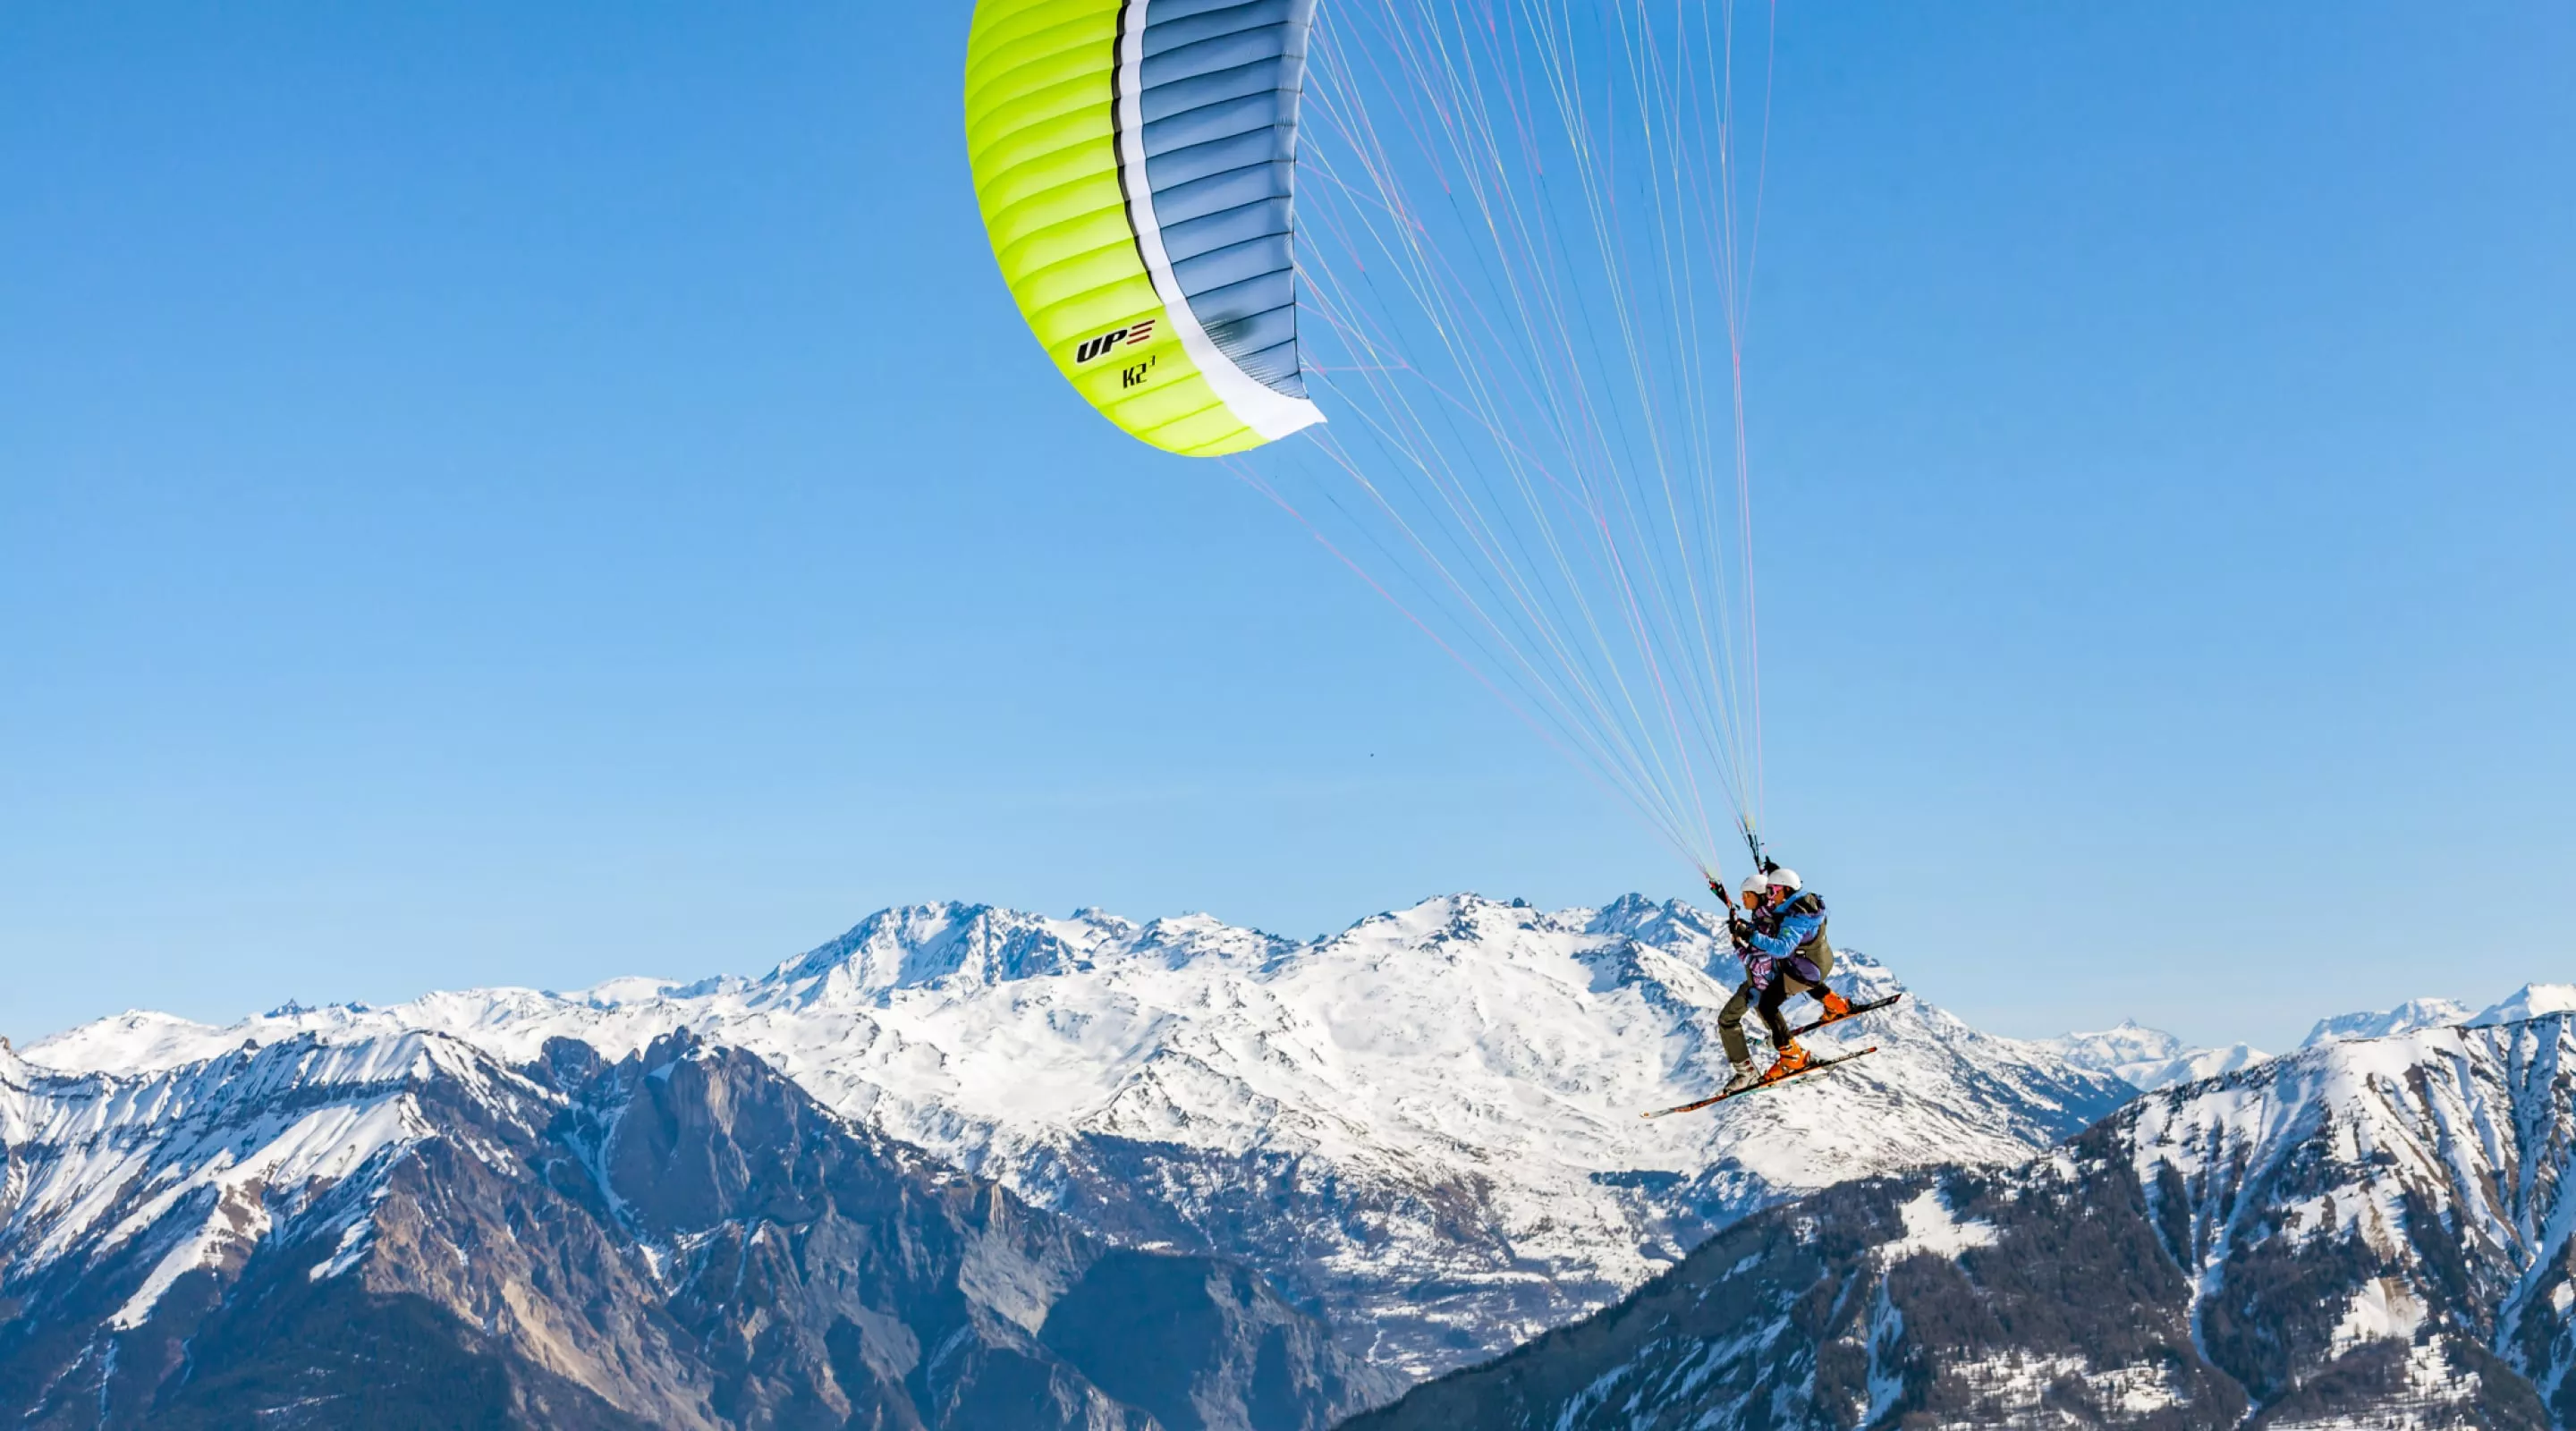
<point>2152,1059</point>
<point>1424,1127</point>
<point>2381,1023</point>
<point>2149,1059</point>
<point>2528,1002</point>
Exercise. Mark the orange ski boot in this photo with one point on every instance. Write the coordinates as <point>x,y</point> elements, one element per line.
<point>1793,1059</point>
<point>1836,1006</point>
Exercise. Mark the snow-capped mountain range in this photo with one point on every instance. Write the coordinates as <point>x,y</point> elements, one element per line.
<point>1425,1127</point>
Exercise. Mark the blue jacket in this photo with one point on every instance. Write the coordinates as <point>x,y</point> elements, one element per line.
<point>1793,924</point>
<point>1775,935</point>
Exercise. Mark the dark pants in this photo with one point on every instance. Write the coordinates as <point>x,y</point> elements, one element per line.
<point>1730,1020</point>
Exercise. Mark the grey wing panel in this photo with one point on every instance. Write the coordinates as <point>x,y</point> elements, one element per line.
<point>1218,98</point>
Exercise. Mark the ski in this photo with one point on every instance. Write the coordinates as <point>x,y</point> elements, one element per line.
<point>1819,1066</point>
<point>1873,1006</point>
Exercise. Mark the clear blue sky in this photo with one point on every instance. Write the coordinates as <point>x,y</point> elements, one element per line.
<point>491,495</point>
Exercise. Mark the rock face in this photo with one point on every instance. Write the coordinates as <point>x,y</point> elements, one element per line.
<point>2369,1234</point>
<point>402,1231</point>
<point>1424,1127</point>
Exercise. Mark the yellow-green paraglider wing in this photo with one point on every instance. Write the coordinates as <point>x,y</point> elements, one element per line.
<point>1135,162</point>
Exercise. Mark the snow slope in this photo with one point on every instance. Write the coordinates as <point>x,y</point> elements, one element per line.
<point>1427,1125</point>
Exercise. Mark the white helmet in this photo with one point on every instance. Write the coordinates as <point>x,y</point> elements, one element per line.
<point>1754,884</point>
<point>1785,879</point>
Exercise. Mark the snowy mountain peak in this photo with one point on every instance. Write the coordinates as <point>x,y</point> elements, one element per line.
<point>2150,1058</point>
<point>632,989</point>
<point>924,945</point>
<point>2384,1023</point>
<point>1459,914</point>
<point>1627,912</point>
<point>916,945</point>
<point>1670,924</point>
<point>1179,939</point>
<point>2128,1042</point>
<point>2531,1001</point>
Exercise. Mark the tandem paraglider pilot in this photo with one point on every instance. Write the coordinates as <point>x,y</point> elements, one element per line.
<point>1779,937</point>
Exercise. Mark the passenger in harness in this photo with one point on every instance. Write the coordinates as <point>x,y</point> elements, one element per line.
<point>1780,937</point>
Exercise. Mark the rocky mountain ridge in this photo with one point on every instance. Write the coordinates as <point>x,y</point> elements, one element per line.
<point>2369,1233</point>
<point>403,1231</point>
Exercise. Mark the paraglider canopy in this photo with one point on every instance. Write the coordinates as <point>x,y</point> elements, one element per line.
<point>1136,165</point>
